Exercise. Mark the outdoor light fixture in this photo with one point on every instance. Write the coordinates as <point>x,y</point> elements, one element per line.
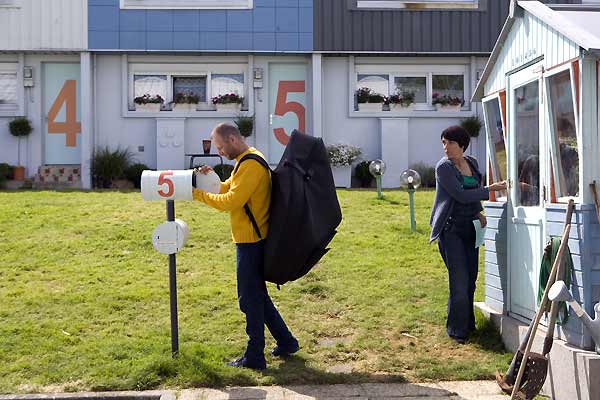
<point>410,180</point>
<point>377,169</point>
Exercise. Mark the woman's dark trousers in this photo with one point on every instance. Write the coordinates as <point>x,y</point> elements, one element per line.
<point>255,302</point>
<point>457,247</point>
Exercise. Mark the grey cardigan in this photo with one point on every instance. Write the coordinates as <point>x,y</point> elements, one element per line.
<point>449,191</point>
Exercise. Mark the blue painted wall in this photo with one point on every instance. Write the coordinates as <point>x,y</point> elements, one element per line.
<point>273,25</point>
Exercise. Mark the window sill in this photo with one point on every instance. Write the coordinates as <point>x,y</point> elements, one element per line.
<point>412,114</point>
<point>187,4</point>
<point>182,114</point>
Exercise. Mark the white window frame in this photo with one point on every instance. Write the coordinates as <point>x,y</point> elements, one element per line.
<point>184,70</point>
<point>492,159</point>
<point>417,4</point>
<point>410,70</point>
<point>392,89</point>
<point>13,109</point>
<point>187,4</point>
<point>10,3</point>
<point>550,130</point>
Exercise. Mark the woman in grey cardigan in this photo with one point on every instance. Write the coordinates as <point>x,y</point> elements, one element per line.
<point>457,204</point>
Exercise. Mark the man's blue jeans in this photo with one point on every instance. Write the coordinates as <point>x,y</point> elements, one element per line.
<point>255,302</point>
<point>457,247</point>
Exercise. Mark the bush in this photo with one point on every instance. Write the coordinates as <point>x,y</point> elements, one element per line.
<point>363,174</point>
<point>427,174</point>
<point>224,171</point>
<point>5,173</point>
<point>342,155</point>
<point>472,125</point>
<point>245,125</point>
<point>133,173</point>
<point>108,165</point>
<point>20,126</point>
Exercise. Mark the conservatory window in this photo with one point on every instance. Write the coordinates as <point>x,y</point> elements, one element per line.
<point>527,143</point>
<point>496,135</point>
<point>187,4</point>
<point>563,128</point>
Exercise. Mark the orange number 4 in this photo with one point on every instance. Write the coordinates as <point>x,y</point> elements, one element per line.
<point>68,97</point>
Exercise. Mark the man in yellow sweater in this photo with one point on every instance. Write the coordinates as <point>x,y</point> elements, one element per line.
<point>249,184</point>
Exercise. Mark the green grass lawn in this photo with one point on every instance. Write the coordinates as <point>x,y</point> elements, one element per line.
<point>84,299</point>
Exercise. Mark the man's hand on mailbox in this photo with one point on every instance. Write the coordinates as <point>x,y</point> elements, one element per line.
<point>203,169</point>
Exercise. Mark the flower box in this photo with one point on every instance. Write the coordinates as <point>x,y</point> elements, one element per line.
<point>369,107</point>
<point>342,175</point>
<point>230,107</point>
<point>397,107</point>
<point>448,107</point>
<point>184,107</point>
<point>148,107</point>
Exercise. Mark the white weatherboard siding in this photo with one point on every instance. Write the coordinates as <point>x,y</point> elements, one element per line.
<point>529,39</point>
<point>44,25</point>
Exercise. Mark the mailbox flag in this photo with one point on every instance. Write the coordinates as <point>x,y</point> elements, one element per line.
<point>304,212</point>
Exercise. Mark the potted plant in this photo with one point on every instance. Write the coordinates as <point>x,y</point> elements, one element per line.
<point>341,156</point>
<point>446,102</point>
<point>362,173</point>
<point>245,125</point>
<point>402,101</point>
<point>230,102</point>
<point>185,102</point>
<point>472,125</point>
<point>368,100</point>
<point>148,103</point>
<point>19,127</point>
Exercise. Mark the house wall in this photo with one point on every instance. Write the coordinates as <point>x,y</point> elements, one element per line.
<point>282,25</point>
<point>44,25</point>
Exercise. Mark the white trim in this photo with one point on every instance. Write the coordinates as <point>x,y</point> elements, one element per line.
<point>317,89</point>
<point>490,150</point>
<point>10,3</point>
<point>188,4</point>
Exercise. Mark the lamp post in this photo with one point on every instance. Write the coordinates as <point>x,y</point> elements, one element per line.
<point>377,169</point>
<point>411,180</point>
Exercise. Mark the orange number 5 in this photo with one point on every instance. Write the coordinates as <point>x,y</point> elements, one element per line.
<point>283,106</point>
<point>162,180</point>
<point>67,96</point>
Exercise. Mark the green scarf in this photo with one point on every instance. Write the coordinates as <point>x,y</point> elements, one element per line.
<point>550,252</point>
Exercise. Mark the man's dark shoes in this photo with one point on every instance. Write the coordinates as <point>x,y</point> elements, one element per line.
<point>284,351</point>
<point>244,362</point>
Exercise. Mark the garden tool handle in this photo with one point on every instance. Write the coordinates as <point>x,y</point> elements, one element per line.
<point>540,311</point>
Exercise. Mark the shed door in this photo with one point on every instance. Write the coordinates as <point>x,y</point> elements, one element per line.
<point>526,193</point>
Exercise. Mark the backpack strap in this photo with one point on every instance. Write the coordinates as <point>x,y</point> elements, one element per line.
<point>264,163</point>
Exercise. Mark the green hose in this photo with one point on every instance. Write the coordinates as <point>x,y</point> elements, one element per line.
<point>547,261</point>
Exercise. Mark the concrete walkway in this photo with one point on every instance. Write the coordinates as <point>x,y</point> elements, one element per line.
<point>469,390</point>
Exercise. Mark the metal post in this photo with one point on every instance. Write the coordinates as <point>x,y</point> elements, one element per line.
<point>411,202</point>
<point>378,180</point>
<point>173,287</point>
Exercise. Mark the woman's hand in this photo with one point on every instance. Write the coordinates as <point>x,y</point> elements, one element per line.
<point>482,220</point>
<point>496,186</point>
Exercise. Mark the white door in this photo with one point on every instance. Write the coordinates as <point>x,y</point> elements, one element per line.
<point>526,192</point>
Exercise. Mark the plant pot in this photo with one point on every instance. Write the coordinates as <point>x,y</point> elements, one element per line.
<point>184,107</point>
<point>342,175</point>
<point>448,108</point>
<point>206,144</point>
<point>148,107</point>
<point>402,108</point>
<point>369,107</point>
<point>18,173</point>
<point>231,107</point>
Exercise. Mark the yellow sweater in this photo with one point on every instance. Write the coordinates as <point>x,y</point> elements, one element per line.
<point>250,184</point>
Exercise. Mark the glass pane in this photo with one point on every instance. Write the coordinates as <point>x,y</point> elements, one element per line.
<point>417,85</point>
<point>150,84</point>
<point>378,83</point>
<point>8,88</point>
<point>496,138</point>
<point>449,85</point>
<point>227,83</point>
<point>527,138</point>
<point>564,135</point>
<point>190,85</point>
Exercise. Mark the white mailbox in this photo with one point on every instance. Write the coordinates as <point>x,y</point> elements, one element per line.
<point>177,185</point>
<point>170,236</point>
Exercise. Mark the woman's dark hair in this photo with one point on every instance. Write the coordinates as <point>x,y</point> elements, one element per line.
<point>457,134</point>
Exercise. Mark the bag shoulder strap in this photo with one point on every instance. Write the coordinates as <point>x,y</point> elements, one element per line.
<point>264,163</point>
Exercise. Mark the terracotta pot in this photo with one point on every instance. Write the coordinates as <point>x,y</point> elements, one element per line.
<point>206,143</point>
<point>18,173</point>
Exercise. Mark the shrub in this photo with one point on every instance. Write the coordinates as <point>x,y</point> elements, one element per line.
<point>245,125</point>
<point>363,174</point>
<point>20,126</point>
<point>224,171</point>
<point>108,165</point>
<point>133,173</point>
<point>472,125</point>
<point>341,154</point>
<point>5,173</point>
<point>427,173</point>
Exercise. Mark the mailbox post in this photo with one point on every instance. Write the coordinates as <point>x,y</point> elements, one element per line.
<point>169,237</point>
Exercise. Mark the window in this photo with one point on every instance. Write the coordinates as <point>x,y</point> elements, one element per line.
<point>449,86</point>
<point>377,83</point>
<point>227,83</point>
<point>187,4</point>
<point>9,3</point>
<point>418,4</point>
<point>563,142</point>
<point>416,85</point>
<point>8,86</point>
<point>528,143</point>
<point>152,85</point>
<point>190,85</point>
<point>494,124</point>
